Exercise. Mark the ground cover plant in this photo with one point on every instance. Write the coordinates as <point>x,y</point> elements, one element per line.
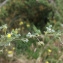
<point>46,47</point>
<point>31,30</point>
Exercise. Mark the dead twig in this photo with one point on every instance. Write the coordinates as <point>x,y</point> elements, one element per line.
<point>2,4</point>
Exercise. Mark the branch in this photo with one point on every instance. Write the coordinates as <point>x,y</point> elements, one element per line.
<point>2,4</point>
